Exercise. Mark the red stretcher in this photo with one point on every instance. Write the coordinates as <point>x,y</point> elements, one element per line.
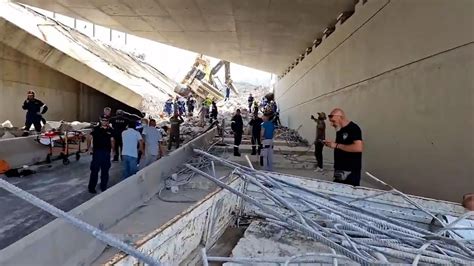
<point>62,145</point>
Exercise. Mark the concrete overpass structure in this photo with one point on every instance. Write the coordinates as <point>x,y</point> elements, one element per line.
<point>401,69</point>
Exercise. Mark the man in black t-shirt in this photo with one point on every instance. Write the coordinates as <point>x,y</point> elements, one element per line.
<point>119,124</point>
<point>103,142</point>
<point>348,149</point>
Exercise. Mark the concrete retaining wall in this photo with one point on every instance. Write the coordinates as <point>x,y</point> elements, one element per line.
<point>59,243</point>
<point>403,71</point>
<point>22,151</point>
<point>182,238</point>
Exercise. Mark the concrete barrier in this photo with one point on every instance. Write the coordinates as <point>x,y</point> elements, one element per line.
<point>21,151</point>
<point>59,243</point>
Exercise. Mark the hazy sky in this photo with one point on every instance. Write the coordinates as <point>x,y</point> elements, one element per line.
<point>174,62</point>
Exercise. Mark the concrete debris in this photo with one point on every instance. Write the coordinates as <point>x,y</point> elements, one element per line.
<point>7,135</point>
<point>7,124</point>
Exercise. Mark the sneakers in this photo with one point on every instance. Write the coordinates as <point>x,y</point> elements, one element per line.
<point>319,170</point>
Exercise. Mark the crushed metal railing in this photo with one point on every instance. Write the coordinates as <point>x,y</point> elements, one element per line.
<point>354,232</point>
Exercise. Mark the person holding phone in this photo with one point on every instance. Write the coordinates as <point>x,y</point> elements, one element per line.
<point>319,141</point>
<point>348,148</point>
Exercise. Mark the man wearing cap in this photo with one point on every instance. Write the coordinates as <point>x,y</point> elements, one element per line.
<point>319,141</point>
<point>103,144</point>
<point>34,111</point>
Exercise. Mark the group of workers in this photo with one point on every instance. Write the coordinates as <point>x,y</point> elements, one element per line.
<point>180,105</point>
<point>266,106</point>
<point>263,131</point>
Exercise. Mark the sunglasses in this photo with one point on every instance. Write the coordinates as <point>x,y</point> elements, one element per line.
<point>331,116</point>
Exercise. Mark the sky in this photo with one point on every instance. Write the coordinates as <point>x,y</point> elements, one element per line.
<point>172,61</point>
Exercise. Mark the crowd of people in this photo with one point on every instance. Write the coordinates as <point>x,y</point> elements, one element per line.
<point>137,141</point>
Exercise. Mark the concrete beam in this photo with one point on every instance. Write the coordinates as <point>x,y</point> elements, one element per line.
<point>66,245</point>
<point>285,28</point>
<point>22,151</point>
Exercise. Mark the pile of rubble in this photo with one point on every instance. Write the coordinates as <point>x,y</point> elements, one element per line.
<point>8,131</point>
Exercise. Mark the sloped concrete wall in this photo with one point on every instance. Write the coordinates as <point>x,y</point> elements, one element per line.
<point>19,73</point>
<point>67,98</point>
<point>403,71</point>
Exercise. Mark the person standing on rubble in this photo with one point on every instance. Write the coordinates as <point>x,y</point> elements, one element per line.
<point>168,108</point>
<point>175,121</point>
<point>103,143</point>
<point>348,149</point>
<point>237,126</point>
<point>190,103</point>
<point>152,137</point>
<point>227,93</point>
<point>34,111</point>
<point>214,112</point>
<point>256,124</point>
<point>250,101</point>
<point>131,140</point>
<point>119,124</point>
<point>268,130</point>
<point>319,141</point>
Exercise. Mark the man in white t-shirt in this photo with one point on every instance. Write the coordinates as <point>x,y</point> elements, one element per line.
<point>132,141</point>
<point>153,138</point>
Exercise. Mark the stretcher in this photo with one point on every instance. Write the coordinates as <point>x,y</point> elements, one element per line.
<point>62,145</point>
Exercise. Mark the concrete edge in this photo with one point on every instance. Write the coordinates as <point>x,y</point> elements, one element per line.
<point>57,242</point>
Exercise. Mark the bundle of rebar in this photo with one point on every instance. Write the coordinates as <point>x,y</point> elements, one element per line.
<point>359,234</point>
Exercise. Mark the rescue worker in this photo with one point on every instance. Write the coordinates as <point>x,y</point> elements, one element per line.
<point>204,112</point>
<point>250,101</point>
<point>168,108</point>
<point>319,141</point>
<point>103,143</point>
<point>119,124</point>
<point>214,112</point>
<point>227,93</point>
<point>267,133</point>
<point>255,108</point>
<point>190,103</point>
<point>34,111</point>
<point>176,120</point>
<point>256,124</point>
<point>237,126</point>
<point>181,106</point>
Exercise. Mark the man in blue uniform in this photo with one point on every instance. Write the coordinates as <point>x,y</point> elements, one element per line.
<point>103,143</point>
<point>34,111</point>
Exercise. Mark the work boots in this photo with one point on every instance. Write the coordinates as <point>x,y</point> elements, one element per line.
<point>254,150</point>
<point>236,151</point>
